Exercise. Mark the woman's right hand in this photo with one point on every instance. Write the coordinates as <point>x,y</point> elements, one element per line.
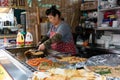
<point>41,47</point>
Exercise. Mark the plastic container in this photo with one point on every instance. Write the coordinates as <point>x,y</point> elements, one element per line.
<point>20,39</point>
<point>28,39</point>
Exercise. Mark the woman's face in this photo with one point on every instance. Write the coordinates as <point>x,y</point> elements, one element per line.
<point>53,19</point>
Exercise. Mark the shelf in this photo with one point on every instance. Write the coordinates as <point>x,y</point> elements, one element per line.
<point>8,36</point>
<point>108,9</point>
<point>92,9</point>
<point>89,6</point>
<point>88,0</point>
<point>107,28</point>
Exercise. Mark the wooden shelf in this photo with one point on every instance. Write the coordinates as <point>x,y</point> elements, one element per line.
<point>92,9</point>
<point>8,36</point>
<point>108,9</point>
<point>107,28</point>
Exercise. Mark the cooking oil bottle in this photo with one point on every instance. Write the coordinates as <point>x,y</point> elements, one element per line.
<point>20,39</point>
<point>28,39</point>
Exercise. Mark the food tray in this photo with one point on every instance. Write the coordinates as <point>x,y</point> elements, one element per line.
<point>66,74</point>
<point>76,65</point>
<point>105,59</point>
<point>110,60</point>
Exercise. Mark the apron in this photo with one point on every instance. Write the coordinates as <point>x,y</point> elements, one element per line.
<point>67,47</point>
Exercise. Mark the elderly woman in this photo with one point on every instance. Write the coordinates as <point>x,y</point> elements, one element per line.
<point>59,36</point>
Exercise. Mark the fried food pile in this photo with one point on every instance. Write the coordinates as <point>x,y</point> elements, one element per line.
<point>44,64</point>
<point>37,61</point>
<point>72,59</point>
<point>108,71</point>
<point>33,53</point>
<point>66,74</point>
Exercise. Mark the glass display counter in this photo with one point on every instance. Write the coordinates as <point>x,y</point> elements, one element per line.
<point>16,69</point>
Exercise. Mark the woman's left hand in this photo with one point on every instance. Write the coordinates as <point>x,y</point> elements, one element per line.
<point>41,47</point>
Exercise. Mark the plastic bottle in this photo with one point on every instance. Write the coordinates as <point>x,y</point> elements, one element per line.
<point>28,39</point>
<point>20,39</point>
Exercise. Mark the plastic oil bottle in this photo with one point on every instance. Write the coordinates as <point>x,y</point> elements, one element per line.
<point>28,39</point>
<point>20,39</point>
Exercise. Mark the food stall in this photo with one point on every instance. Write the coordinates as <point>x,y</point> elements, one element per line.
<point>27,63</point>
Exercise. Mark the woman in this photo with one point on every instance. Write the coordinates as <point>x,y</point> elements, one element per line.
<point>59,36</point>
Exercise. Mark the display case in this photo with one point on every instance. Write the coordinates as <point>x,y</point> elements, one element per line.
<point>17,70</point>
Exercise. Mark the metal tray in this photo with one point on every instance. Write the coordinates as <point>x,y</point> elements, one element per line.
<point>104,59</point>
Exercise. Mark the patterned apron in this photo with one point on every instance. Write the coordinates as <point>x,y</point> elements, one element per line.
<point>67,47</point>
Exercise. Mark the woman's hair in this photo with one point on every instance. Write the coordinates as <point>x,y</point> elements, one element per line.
<point>53,11</point>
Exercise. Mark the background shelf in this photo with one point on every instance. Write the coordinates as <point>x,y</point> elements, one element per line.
<point>108,9</point>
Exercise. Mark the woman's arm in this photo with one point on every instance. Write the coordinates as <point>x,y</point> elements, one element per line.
<point>44,38</point>
<point>56,38</point>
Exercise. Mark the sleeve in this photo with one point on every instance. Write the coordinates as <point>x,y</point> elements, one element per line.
<point>44,38</point>
<point>56,38</point>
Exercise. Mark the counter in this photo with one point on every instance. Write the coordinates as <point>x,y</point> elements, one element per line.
<point>19,70</point>
<point>16,69</point>
<point>92,50</point>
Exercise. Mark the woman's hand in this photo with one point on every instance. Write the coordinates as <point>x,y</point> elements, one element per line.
<point>41,47</point>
